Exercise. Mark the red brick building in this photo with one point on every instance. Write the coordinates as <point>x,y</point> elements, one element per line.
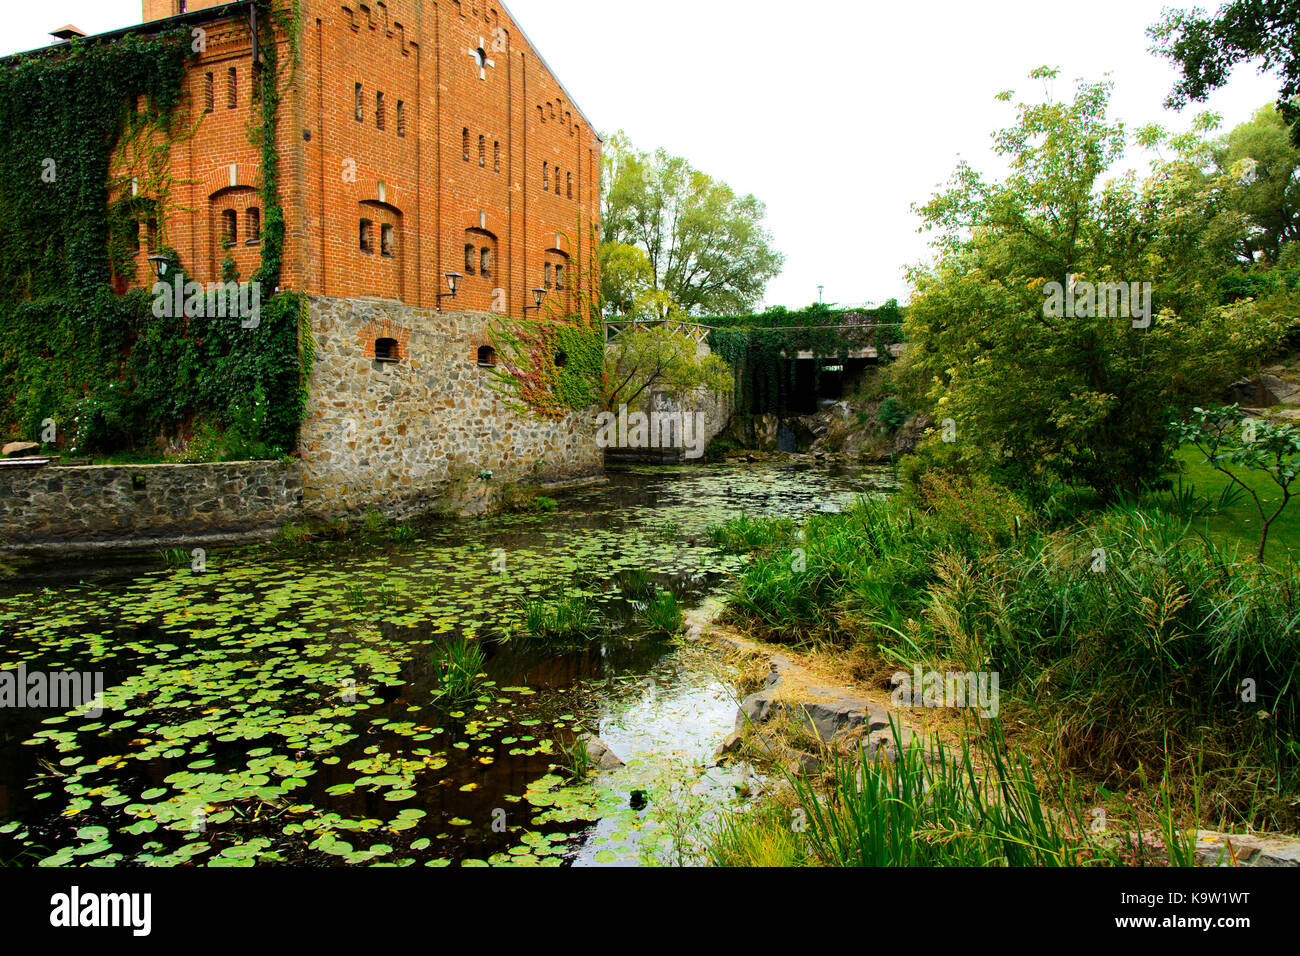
<point>416,139</point>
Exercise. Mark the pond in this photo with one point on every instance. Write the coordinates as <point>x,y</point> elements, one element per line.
<point>281,708</point>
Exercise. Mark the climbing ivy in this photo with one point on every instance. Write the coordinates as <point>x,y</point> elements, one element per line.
<point>758,346</point>
<point>112,375</point>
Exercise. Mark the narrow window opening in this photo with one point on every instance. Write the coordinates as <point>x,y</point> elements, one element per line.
<point>367,236</point>
<point>546,275</point>
<point>358,104</point>
<point>133,236</point>
<point>482,151</point>
<point>546,177</point>
<point>487,356</point>
<point>496,156</point>
<point>152,234</point>
<point>387,350</point>
<point>253,225</point>
<point>557,180</point>
<point>470,257</point>
<point>561,359</point>
<point>209,93</point>
<point>232,88</point>
<point>570,176</point>
<point>386,247</point>
<point>379,110</point>
<point>559,278</point>
<point>464,144</point>
<point>401,118</point>
<point>229,228</point>
<point>485,263</point>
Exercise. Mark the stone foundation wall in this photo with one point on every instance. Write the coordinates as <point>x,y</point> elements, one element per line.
<point>415,434</point>
<point>143,506</point>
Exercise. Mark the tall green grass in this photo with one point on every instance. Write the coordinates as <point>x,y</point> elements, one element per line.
<point>458,667</point>
<point>568,619</point>
<point>1120,665</point>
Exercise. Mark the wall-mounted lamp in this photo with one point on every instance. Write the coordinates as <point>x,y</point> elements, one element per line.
<point>539,296</point>
<point>453,282</point>
<point>161,265</point>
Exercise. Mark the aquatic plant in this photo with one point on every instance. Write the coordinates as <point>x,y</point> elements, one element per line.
<point>567,619</point>
<point>664,614</point>
<point>458,665</point>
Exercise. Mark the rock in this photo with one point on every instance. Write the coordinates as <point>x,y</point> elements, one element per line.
<point>1263,391</point>
<point>826,711</point>
<point>1223,849</point>
<point>601,757</point>
<point>17,449</point>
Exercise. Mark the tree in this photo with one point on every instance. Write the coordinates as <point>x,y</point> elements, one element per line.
<point>1228,438</point>
<point>1207,48</point>
<point>645,359</point>
<point>1077,385</point>
<point>706,247</point>
<point>1258,165</point>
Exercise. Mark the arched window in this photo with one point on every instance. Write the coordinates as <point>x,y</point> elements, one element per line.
<point>387,241</point>
<point>253,225</point>
<point>229,227</point>
<point>387,350</point>
<point>470,257</point>
<point>367,236</point>
<point>487,356</point>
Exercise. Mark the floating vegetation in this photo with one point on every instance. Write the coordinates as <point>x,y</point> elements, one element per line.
<point>280,709</point>
<point>568,619</point>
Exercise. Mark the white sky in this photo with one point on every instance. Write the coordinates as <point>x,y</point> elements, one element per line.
<point>838,115</point>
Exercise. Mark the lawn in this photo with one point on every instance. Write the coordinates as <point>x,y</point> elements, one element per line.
<point>1237,524</point>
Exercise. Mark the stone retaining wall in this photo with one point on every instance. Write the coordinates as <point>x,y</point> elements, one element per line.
<point>144,506</point>
<point>415,434</point>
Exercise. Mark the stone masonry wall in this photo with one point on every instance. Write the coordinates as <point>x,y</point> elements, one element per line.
<point>144,506</point>
<point>400,436</point>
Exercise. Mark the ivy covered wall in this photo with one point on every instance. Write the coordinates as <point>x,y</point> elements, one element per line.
<point>113,376</point>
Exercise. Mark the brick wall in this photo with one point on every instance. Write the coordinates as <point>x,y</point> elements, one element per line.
<point>426,203</point>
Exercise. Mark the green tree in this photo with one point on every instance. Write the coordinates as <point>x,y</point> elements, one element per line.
<point>1081,394</point>
<point>707,248</point>
<point>1258,164</point>
<point>1206,48</point>
<point>646,359</point>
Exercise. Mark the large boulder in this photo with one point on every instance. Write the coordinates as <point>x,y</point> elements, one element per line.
<point>1263,391</point>
<point>19,449</point>
<point>601,757</point>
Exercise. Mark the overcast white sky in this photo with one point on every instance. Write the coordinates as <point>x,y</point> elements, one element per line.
<point>838,114</point>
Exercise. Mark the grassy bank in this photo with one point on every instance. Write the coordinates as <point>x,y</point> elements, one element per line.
<point>1127,644</point>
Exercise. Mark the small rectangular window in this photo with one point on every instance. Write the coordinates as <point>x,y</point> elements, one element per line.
<point>482,151</point>
<point>253,225</point>
<point>367,236</point>
<point>464,144</point>
<point>209,93</point>
<point>386,247</point>
<point>232,88</point>
<point>485,263</point>
<point>496,156</point>
<point>401,118</point>
<point>546,273</point>
<point>559,278</point>
<point>470,256</point>
<point>152,234</point>
<point>229,228</point>
<point>133,236</point>
<point>358,104</point>
<point>570,175</point>
<point>557,180</point>
<point>546,177</point>
<point>379,111</point>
